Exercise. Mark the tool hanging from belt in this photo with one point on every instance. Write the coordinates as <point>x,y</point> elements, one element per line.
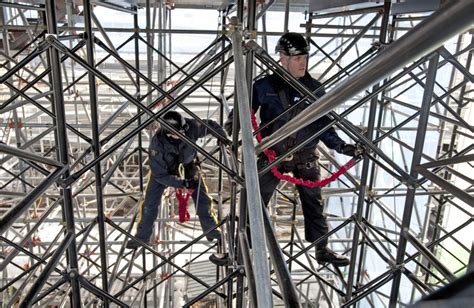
<point>183,195</point>
<point>271,156</point>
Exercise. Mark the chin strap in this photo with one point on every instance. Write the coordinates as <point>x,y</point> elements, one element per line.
<point>271,156</point>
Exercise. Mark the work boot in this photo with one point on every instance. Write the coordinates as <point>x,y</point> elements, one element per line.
<point>326,255</point>
<point>213,235</point>
<point>131,244</point>
<point>219,259</point>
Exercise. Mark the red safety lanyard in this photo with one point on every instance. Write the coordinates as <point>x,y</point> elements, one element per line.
<point>271,156</point>
<point>183,195</point>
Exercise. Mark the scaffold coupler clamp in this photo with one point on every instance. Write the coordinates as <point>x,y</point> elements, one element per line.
<point>50,37</point>
<point>360,150</point>
<point>410,182</point>
<point>379,45</point>
<point>234,25</point>
<point>72,273</point>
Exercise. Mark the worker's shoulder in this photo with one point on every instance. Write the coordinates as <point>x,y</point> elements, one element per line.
<point>192,128</point>
<point>310,81</point>
<point>157,140</point>
<point>264,78</point>
<point>191,123</point>
<point>266,81</point>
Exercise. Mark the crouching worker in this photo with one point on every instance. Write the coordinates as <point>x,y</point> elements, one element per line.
<point>166,153</point>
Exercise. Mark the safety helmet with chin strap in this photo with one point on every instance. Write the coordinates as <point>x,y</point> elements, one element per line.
<point>292,44</point>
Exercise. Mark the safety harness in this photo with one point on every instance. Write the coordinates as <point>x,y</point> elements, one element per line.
<point>271,156</point>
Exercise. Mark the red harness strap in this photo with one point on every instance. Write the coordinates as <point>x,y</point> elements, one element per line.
<point>183,196</point>
<point>271,156</point>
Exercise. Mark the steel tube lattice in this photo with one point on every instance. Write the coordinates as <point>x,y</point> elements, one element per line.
<point>73,155</point>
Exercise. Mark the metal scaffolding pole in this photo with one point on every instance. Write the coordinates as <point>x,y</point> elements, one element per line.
<point>365,172</point>
<point>27,155</point>
<point>62,142</point>
<point>263,287</point>
<point>96,147</point>
<point>428,255</point>
<point>411,189</point>
<point>285,282</point>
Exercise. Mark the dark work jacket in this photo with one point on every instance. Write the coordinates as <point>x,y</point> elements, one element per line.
<point>165,154</point>
<point>267,99</point>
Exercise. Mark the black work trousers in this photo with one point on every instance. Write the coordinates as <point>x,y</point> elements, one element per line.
<point>151,206</point>
<point>315,222</point>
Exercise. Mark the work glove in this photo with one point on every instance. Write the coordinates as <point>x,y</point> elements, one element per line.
<point>347,149</point>
<point>228,126</point>
<point>190,169</point>
<point>229,122</point>
<point>225,142</point>
<point>354,150</point>
<point>190,183</point>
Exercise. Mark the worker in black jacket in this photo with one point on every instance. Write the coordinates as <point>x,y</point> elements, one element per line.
<point>166,153</point>
<point>271,96</point>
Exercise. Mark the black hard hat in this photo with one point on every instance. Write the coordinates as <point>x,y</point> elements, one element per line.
<point>292,44</point>
<point>174,119</point>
